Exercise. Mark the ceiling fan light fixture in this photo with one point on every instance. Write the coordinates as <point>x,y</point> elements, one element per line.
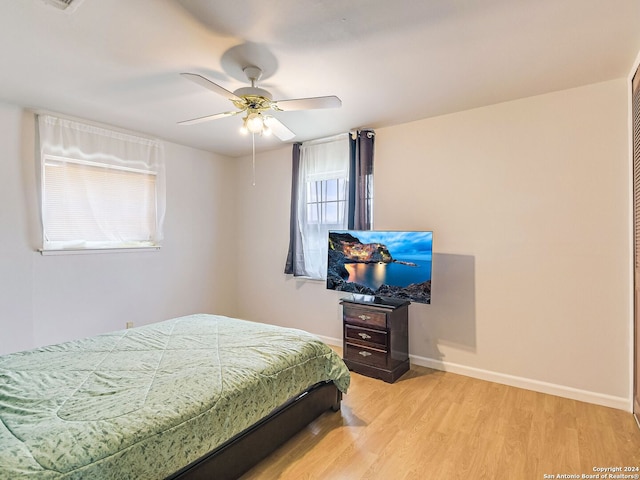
<point>254,123</point>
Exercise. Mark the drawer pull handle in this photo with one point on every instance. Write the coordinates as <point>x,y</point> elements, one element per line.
<point>364,317</point>
<point>364,354</point>
<point>364,336</point>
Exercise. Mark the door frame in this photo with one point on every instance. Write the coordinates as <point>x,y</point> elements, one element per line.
<point>635,180</point>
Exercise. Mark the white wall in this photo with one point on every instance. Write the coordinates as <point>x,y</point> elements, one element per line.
<point>49,299</point>
<point>529,204</point>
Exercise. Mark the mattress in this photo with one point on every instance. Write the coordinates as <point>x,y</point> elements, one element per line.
<point>144,402</point>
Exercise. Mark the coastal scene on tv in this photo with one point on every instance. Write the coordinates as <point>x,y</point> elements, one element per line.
<point>384,264</point>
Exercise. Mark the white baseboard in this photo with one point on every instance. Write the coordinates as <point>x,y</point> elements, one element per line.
<point>336,342</point>
<point>619,403</point>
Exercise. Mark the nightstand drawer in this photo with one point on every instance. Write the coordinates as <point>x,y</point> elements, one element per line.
<point>370,356</point>
<point>365,317</point>
<point>362,334</point>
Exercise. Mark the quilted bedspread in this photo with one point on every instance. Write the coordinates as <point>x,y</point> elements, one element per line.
<point>144,402</point>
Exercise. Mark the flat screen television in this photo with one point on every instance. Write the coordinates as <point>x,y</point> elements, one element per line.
<point>374,265</point>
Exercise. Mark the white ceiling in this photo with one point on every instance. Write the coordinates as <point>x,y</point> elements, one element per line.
<point>118,61</point>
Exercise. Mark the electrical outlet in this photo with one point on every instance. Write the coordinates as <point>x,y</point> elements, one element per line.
<point>129,324</point>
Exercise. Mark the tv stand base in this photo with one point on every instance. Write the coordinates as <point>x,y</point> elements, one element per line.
<point>388,376</point>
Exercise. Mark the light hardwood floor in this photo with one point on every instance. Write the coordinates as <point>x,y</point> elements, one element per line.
<point>436,425</point>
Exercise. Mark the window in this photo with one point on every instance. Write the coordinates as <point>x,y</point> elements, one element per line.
<point>326,201</point>
<point>100,189</point>
<point>87,204</point>
<point>331,190</point>
<point>321,203</point>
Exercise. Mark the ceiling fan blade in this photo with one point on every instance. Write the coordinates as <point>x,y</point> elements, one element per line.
<point>214,87</point>
<point>278,128</point>
<point>209,117</point>
<point>307,103</point>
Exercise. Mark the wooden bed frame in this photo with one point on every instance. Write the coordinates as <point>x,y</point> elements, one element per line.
<point>239,454</point>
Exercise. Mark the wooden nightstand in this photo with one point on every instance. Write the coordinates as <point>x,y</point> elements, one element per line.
<point>376,337</point>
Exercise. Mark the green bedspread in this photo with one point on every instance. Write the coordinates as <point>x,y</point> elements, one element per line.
<point>144,402</point>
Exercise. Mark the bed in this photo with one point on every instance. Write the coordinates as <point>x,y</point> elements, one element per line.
<point>201,396</point>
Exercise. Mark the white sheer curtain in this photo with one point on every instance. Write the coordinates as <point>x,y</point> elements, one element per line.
<point>322,199</point>
<point>100,188</point>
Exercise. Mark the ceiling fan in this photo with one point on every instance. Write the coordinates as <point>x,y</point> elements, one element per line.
<point>256,102</point>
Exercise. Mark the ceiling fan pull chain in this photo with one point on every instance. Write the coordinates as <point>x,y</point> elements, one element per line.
<point>253,145</point>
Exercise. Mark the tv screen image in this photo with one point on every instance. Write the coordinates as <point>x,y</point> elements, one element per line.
<point>383,264</point>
